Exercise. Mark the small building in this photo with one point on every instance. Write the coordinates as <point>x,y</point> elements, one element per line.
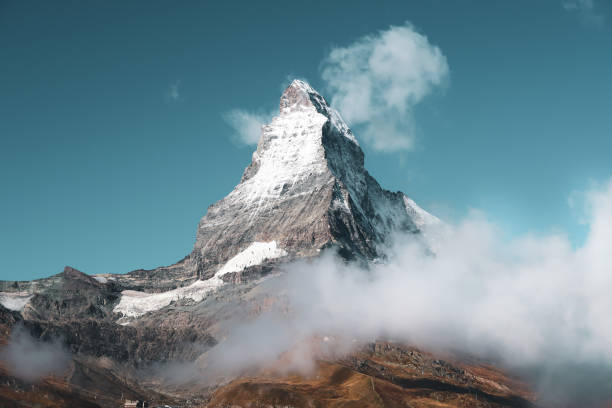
<point>135,404</point>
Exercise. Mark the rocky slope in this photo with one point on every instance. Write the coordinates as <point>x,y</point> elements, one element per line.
<point>381,375</point>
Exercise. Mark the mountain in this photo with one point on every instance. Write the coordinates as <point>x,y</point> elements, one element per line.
<point>306,189</point>
<point>305,192</point>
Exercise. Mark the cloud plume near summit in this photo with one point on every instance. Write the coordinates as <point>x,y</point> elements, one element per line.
<point>246,125</point>
<point>534,304</point>
<point>375,83</point>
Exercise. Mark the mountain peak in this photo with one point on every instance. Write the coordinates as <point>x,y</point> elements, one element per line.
<point>306,189</point>
<point>300,95</point>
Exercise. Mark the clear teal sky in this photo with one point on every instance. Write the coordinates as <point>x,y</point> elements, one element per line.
<point>102,169</point>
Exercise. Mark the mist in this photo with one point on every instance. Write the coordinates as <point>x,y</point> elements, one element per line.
<point>535,304</point>
<point>31,359</point>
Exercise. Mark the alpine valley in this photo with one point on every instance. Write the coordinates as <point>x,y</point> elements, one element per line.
<point>146,335</point>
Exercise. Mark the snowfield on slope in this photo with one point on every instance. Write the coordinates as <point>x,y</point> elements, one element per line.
<point>134,303</point>
<point>15,301</point>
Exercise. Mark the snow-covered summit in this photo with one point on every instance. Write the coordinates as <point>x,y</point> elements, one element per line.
<point>296,96</point>
<point>300,96</point>
<point>301,144</point>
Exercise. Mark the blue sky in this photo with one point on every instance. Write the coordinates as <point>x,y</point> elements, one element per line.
<point>113,140</point>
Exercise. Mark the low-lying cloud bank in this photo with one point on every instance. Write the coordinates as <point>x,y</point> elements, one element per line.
<point>535,304</point>
<point>30,359</point>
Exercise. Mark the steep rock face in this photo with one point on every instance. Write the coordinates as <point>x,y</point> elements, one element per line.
<point>306,188</point>
<point>135,346</point>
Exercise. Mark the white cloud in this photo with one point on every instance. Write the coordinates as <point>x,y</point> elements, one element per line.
<point>586,10</point>
<point>173,93</point>
<point>377,81</point>
<point>246,125</point>
<point>31,359</point>
<point>576,5</point>
<point>535,304</point>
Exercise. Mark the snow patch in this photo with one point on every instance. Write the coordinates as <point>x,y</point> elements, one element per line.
<point>100,279</point>
<point>134,303</point>
<point>254,254</point>
<point>15,301</point>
